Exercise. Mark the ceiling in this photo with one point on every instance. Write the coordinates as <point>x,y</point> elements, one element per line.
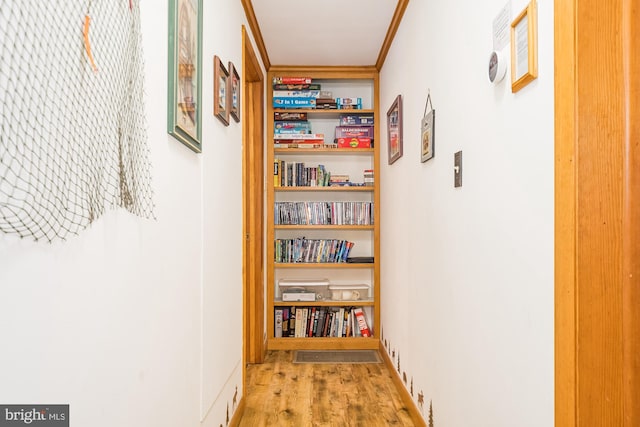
<point>324,32</point>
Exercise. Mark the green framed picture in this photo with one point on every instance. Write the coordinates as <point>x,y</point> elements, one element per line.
<point>184,109</point>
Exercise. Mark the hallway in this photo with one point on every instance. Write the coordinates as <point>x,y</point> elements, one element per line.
<point>282,393</point>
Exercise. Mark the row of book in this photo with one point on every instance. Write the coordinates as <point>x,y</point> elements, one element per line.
<point>303,250</point>
<point>296,174</point>
<point>312,321</point>
<point>323,213</point>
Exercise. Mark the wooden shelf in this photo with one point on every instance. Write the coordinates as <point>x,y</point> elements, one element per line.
<point>323,112</point>
<point>323,265</point>
<point>323,151</point>
<point>325,303</point>
<point>323,227</point>
<point>336,188</point>
<point>352,81</point>
<point>323,343</point>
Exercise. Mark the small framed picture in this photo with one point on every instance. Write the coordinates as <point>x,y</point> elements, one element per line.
<point>394,129</point>
<point>524,49</point>
<point>428,136</point>
<point>234,92</point>
<point>220,84</point>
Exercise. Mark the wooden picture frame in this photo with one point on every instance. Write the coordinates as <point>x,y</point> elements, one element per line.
<point>234,92</point>
<point>524,48</point>
<point>220,91</point>
<point>428,136</point>
<point>394,130</point>
<point>184,101</point>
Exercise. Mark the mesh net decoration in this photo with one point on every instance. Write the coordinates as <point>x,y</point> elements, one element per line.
<point>73,137</point>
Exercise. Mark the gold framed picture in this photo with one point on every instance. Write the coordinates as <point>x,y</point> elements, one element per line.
<point>524,48</point>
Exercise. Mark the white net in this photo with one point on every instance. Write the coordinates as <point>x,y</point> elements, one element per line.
<point>73,137</point>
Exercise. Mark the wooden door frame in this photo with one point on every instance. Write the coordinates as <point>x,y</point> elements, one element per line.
<point>252,119</point>
<point>597,213</point>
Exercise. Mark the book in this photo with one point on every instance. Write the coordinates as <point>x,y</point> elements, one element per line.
<point>304,144</point>
<point>296,94</point>
<point>362,322</point>
<point>285,321</point>
<point>356,120</point>
<point>299,331</point>
<point>303,136</point>
<point>354,102</point>
<point>354,142</point>
<point>298,86</point>
<point>292,322</point>
<point>289,115</point>
<point>278,323</point>
<point>276,173</point>
<point>354,131</point>
<point>291,80</point>
<point>294,102</point>
<point>291,126</point>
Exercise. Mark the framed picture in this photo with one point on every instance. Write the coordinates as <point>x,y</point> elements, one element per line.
<point>524,48</point>
<point>184,112</point>
<point>428,136</point>
<point>394,129</point>
<point>220,93</point>
<point>234,92</point>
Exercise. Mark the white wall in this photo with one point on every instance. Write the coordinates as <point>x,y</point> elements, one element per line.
<point>138,322</point>
<point>467,274</point>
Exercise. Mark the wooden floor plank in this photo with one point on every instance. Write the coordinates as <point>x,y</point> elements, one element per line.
<point>282,393</point>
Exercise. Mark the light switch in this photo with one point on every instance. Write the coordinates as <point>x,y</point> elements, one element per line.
<point>457,169</point>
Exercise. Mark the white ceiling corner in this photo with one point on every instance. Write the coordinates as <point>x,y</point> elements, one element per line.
<point>323,32</point>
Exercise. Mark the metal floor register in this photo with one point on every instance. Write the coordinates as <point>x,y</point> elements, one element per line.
<point>336,356</point>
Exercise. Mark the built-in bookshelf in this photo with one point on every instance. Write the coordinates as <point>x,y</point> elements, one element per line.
<point>323,212</point>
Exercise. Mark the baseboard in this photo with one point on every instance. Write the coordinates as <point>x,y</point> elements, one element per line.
<point>237,415</point>
<point>414,413</point>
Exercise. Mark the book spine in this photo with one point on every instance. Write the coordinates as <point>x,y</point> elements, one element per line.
<point>356,120</point>
<point>296,93</point>
<point>278,323</point>
<point>299,86</point>
<point>362,322</point>
<point>289,115</point>
<point>285,322</point>
<point>294,102</point>
<point>303,136</point>
<point>291,80</point>
<point>276,173</point>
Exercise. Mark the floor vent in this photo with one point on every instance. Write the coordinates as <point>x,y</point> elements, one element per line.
<point>336,356</point>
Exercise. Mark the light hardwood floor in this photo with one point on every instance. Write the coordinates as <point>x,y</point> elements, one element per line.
<point>281,393</point>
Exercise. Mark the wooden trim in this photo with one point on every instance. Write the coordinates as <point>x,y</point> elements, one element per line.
<point>597,260</point>
<point>391,32</point>
<point>565,213</point>
<point>328,71</point>
<point>410,405</point>
<point>237,415</point>
<point>631,217</point>
<point>600,125</point>
<point>255,30</point>
<point>252,95</point>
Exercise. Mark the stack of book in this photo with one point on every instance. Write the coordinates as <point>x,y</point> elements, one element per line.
<point>368,177</point>
<point>354,136</point>
<point>295,92</point>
